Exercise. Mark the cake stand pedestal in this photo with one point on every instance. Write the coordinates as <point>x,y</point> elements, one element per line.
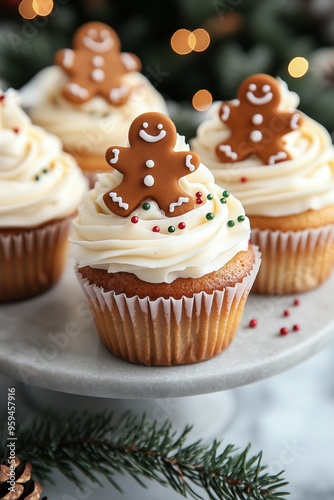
<point>50,347</point>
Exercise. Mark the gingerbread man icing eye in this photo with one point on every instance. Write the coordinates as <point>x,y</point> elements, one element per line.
<point>96,65</point>
<point>151,168</point>
<point>257,123</point>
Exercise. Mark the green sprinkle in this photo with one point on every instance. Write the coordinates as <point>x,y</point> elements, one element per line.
<point>45,170</point>
<point>146,206</point>
<point>241,218</point>
<point>210,196</point>
<point>210,216</point>
<point>171,229</point>
<point>231,223</point>
<point>37,177</point>
<point>226,194</point>
<point>222,200</point>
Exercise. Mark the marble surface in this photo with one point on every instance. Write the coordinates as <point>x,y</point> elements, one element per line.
<point>289,416</point>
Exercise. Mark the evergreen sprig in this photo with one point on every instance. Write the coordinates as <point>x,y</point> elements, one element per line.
<point>102,445</point>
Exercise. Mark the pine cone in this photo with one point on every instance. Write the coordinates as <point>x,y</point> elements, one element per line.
<point>16,482</point>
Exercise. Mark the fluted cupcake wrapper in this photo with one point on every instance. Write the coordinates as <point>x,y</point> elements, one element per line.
<point>32,261</point>
<point>293,262</point>
<point>168,331</point>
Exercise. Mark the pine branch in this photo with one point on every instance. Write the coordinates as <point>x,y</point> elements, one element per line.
<point>99,445</point>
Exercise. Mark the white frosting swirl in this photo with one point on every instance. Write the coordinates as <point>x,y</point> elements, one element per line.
<point>303,183</point>
<point>107,241</point>
<point>93,126</point>
<point>38,181</point>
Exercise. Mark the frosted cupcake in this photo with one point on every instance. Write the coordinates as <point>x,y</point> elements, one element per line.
<point>40,189</point>
<point>280,164</point>
<point>163,252</point>
<point>91,96</point>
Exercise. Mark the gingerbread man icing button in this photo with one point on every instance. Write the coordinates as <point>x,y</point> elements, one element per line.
<point>96,65</point>
<point>151,168</point>
<point>257,123</point>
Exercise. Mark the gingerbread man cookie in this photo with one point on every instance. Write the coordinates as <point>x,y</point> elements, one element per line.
<point>151,168</point>
<point>96,65</point>
<point>256,122</point>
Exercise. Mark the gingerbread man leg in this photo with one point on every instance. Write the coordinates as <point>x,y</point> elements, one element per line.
<point>178,207</point>
<point>120,202</point>
<point>233,150</point>
<point>269,158</point>
<point>76,93</point>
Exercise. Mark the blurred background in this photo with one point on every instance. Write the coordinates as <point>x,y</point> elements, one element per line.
<point>193,51</point>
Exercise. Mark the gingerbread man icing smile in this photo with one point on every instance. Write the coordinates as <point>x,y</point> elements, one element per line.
<point>257,123</point>
<point>151,168</point>
<point>96,65</point>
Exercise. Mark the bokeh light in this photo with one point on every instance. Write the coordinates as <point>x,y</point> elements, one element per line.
<point>202,39</point>
<point>297,67</point>
<point>202,100</point>
<point>180,42</point>
<point>184,41</point>
<point>29,9</point>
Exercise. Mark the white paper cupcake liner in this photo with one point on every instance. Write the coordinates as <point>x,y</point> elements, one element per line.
<point>293,261</point>
<point>168,331</point>
<point>33,260</point>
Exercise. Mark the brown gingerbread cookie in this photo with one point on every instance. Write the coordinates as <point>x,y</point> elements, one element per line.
<point>257,123</point>
<point>151,168</point>
<point>96,65</point>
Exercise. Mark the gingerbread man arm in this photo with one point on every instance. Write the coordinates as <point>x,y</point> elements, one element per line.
<point>288,121</point>
<point>130,61</point>
<point>226,111</point>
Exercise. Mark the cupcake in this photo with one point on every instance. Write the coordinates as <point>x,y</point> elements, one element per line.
<point>91,96</point>
<point>280,164</point>
<point>162,252</point>
<point>41,187</point>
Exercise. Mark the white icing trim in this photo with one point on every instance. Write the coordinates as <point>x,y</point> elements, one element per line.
<point>68,58</point>
<point>98,61</point>
<point>189,164</point>
<point>226,113</point>
<point>259,101</point>
<point>128,61</point>
<point>178,203</point>
<point>96,46</point>
<point>281,155</point>
<point>294,121</point>
<point>226,148</point>
<point>116,155</point>
<point>152,138</point>
<point>149,163</point>
<point>77,90</point>
<point>118,200</point>
<point>117,93</point>
<point>257,119</point>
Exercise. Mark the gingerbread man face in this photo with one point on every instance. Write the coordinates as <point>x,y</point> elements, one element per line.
<point>96,65</point>
<point>257,123</point>
<point>151,168</point>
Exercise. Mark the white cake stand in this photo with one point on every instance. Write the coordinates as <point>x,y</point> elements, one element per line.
<point>51,342</point>
<point>50,347</point>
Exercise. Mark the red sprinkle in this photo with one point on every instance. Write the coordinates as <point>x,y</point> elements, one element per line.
<point>296,302</point>
<point>156,229</point>
<point>253,323</point>
<point>284,330</point>
<point>181,225</point>
<point>296,328</point>
<point>199,201</point>
<point>199,194</point>
<point>2,97</point>
<point>286,313</point>
<point>243,179</point>
<point>16,130</point>
<point>134,219</point>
